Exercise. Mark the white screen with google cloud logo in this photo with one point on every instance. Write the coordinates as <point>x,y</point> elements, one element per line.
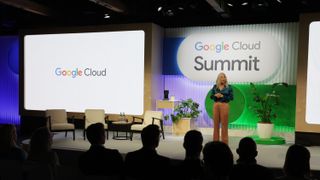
<point>78,71</point>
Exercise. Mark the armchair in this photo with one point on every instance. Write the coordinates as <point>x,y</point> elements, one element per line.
<point>57,121</point>
<point>149,117</point>
<point>92,116</point>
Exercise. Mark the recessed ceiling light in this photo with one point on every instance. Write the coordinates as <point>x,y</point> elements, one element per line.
<point>159,8</point>
<point>229,4</point>
<point>107,16</point>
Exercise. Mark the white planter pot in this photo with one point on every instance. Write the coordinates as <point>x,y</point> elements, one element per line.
<point>264,130</point>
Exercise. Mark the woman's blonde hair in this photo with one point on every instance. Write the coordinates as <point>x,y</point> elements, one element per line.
<point>219,78</point>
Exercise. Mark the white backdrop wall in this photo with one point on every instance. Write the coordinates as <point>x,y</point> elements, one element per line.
<point>285,34</point>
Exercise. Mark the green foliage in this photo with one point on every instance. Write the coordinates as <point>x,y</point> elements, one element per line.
<point>266,102</point>
<point>185,109</point>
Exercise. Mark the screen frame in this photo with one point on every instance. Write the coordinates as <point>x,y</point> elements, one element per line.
<point>62,30</point>
<point>302,127</point>
<point>311,102</point>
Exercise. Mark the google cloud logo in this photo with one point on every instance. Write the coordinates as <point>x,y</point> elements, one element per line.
<point>78,72</point>
<point>244,56</point>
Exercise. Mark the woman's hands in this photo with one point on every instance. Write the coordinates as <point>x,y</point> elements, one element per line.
<point>218,95</point>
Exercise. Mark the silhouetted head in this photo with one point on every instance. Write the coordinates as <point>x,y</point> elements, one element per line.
<point>8,137</point>
<point>150,136</point>
<point>193,143</point>
<point>218,159</point>
<point>96,133</point>
<point>41,140</point>
<point>297,162</point>
<point>247,150</point>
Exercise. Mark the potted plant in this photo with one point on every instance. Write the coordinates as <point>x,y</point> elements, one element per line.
<point>264,108</point>
<point>183,116</point>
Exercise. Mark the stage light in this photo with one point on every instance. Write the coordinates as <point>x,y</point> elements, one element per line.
<point>279,1</point>
<point>159,8</point>
<point>244,3</point>
<point>170,12</point>
<point>229,4</point>
<point>107,16</point>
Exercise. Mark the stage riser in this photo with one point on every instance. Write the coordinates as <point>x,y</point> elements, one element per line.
<point>307,138</point>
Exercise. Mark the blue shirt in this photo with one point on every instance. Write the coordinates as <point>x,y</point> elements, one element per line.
<point>226,92</point>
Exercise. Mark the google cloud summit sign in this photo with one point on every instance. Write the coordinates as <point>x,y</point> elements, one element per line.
<point>243,56</point>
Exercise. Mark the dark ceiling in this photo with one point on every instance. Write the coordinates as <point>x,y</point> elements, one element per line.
<point>20,14</point>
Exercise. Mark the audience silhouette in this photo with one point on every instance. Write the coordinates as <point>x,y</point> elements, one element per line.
<point>146,163</point>
<point>246,166</point>
<point>192,166</point>
<point>297,163</point>
<point>9,150</point>
<point>40,149</point>
<point>98,160</point>
<point>218,161</point>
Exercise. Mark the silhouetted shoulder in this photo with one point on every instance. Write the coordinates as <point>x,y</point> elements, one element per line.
<point>147,161</point>
<point>15,153</point>
<point>291,178</point>
<point>251,171</point>
<point>99,160</point>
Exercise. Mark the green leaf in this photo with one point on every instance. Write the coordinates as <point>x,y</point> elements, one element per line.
<point>185,109</point>
<point>266,102</point>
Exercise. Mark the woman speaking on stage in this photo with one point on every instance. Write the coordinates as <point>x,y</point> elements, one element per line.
<point>222,94</point>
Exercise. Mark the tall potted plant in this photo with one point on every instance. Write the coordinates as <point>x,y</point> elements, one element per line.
<point>183,116</point>
<point>264,108</point>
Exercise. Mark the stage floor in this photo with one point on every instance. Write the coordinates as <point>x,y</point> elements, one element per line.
<point>268,155</point>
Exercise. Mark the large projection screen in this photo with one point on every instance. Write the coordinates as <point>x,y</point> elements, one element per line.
<point>78,71</point>
<point>307,118</point>
<point>313,87</point>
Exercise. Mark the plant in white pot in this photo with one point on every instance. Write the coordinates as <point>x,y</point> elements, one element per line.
<point>264,109</point>
<point>183,116</point>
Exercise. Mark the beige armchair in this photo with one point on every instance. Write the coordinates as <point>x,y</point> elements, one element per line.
<point>57,121</point>
<point>92,116</point>
<point>149,117</point>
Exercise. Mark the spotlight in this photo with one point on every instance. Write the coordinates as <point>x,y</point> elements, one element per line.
<point>262,3</point>
<point>180,8</point>
<point>170,12</point>
<point>244,3</point>
<point>107,16</point>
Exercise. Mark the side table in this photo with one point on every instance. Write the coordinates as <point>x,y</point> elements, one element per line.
<point>120,127</point>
